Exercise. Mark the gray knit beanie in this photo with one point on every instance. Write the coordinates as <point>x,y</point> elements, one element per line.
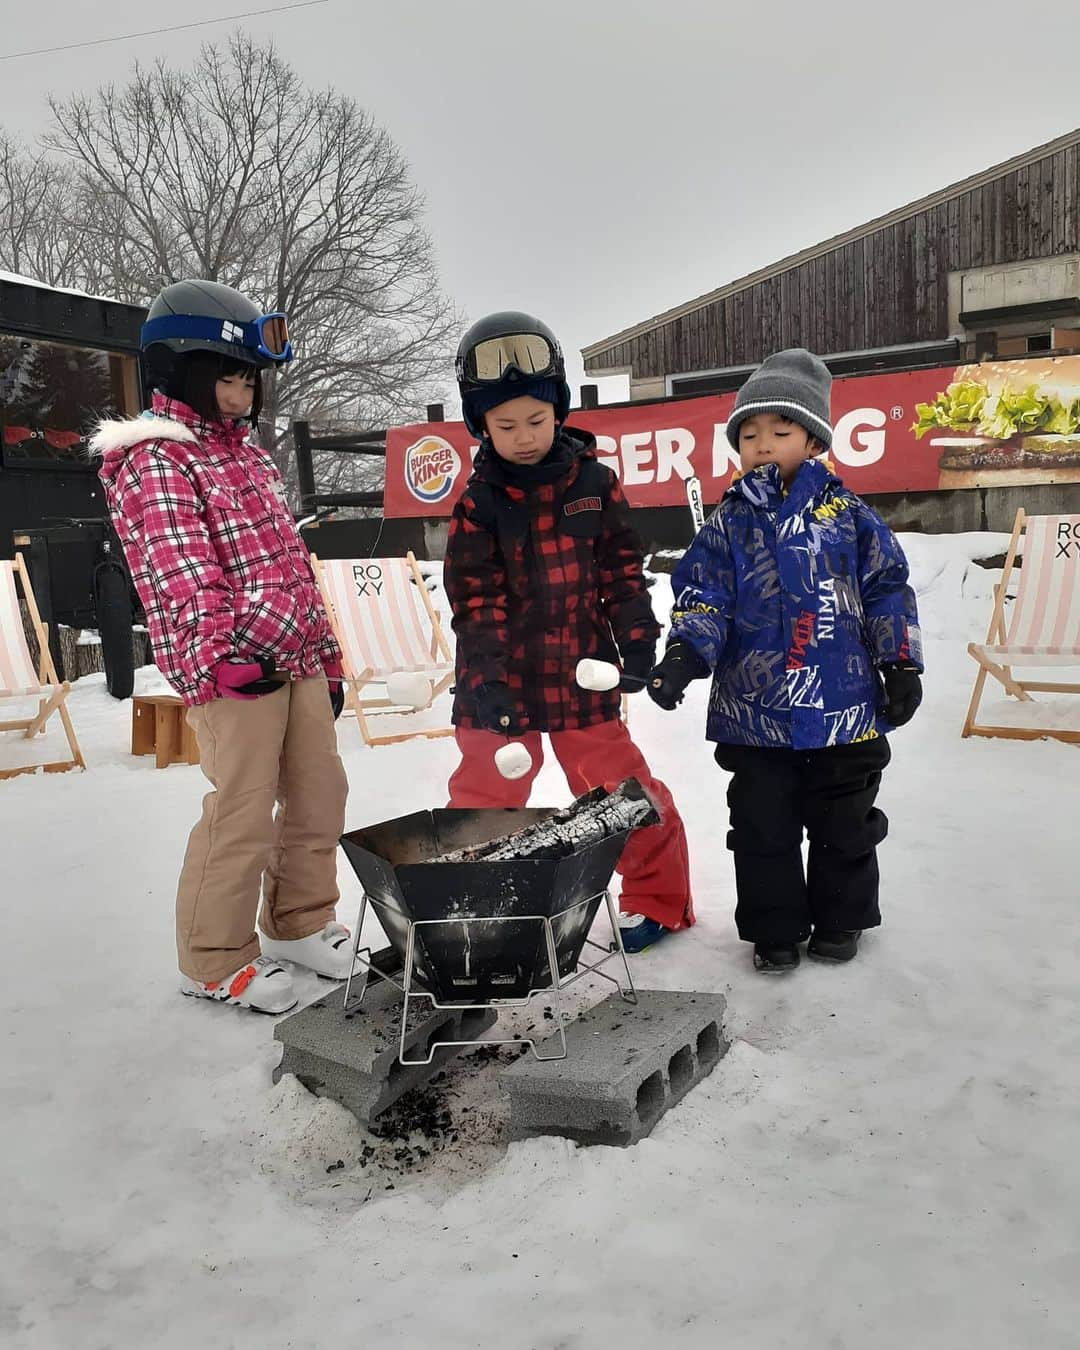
<point>795,384</point>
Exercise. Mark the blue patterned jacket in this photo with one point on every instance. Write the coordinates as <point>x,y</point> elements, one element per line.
<point>795,602</point>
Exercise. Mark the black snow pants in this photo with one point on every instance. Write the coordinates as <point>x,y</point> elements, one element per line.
<point>773,796</point>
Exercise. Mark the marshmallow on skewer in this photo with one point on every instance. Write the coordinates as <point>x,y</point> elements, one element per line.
<point>599,676</point>
<point>513,760</point>
<point>408,688</point>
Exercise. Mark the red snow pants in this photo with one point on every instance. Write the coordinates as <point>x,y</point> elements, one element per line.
<point>655,865</point>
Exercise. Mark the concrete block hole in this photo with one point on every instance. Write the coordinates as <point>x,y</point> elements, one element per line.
<point>650,1096</point>
<point>681,1070</point>
<point>708,1045</point>
<point>473,1023</point>
<point>443,1032</point>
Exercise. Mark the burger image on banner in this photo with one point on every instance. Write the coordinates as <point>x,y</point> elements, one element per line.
<point>431,468</point>
<point>1007,424</point>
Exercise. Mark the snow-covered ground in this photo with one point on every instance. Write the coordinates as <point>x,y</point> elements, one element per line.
<point>887,1157</point>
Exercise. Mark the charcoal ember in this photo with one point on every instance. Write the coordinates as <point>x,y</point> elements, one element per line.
<point>421,1111</point>
<point>597,815</point>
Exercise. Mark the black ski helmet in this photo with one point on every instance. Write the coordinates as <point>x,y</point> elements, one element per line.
<point>205,316</point>
<point>499,357</point>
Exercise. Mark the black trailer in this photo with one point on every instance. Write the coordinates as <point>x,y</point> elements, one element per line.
<point>66,359</point>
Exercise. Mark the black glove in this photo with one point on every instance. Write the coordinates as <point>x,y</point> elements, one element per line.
<point>903,693</point>
<point>495,710</point>
<point>668,680</point>
<point>337,697</point>
<point>637,662</point>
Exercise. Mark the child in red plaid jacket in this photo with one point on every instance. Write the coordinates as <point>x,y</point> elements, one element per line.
<point>542,570</point>
<point>238,628</point>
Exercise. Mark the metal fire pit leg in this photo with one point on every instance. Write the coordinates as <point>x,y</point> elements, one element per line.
<point>407,984</point>
<point>554,991</point>
<point>556,995</point>
<point>356,957</point>
<point>610,952</point>
<point>630,997</point>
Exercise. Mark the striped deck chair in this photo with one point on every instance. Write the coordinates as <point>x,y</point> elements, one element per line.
<point>1043,627</point>
<point>385,623</point>
<point>19,679</point>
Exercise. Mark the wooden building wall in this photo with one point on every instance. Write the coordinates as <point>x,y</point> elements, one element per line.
<point>883,289</point>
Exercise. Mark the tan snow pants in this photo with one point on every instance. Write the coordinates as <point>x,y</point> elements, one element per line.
<point>281,748</point>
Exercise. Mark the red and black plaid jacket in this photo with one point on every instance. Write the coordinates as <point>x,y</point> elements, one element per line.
<point>540,577</point>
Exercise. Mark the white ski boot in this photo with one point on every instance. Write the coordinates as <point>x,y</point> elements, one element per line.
<point>327,953</point>
<point>261,985</point>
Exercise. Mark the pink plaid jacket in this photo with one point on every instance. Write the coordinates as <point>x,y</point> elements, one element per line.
<point>215,556</point>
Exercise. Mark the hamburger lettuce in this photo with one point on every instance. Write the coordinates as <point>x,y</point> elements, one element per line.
<point>1005,423</point>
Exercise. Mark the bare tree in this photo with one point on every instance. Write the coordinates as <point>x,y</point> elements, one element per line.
<point>234,171</point>
<point>36,197</point>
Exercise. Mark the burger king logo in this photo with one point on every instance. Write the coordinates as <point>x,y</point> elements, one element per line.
<point>431,468</point>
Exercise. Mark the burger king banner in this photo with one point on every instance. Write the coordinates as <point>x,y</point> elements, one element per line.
<point>997,424</point>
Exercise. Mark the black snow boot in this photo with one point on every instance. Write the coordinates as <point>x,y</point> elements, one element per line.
<point>840,945</point>
<point>773,959</point>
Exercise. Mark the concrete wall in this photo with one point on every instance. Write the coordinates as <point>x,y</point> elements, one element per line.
<point>974,508</point>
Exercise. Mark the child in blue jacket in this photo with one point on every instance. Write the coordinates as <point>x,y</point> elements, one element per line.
<point>795,596</point>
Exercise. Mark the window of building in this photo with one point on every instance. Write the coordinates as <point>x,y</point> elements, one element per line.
<point>52,395</point>
<point>1022,344</point>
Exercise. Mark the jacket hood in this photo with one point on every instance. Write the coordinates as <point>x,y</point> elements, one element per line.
<point>122,434</point>
<point>114,439</point>
<point>167,420</point>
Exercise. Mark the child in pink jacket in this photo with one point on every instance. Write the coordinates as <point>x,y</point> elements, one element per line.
<point>238,628</point>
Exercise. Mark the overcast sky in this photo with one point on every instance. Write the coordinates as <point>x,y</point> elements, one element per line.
<point>599,161</point>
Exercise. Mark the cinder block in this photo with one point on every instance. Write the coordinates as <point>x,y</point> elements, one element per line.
<point>625,1066</point>
<point>353,1056</point>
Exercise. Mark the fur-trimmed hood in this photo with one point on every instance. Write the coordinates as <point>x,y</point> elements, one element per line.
<point>116,438</point>
<point>174,428</point>
<point>124,433</point>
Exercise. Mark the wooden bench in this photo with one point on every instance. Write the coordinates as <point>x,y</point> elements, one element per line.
<point>160,728</point>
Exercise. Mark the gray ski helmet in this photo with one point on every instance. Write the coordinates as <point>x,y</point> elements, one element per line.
<point>504,355</point>
<point>205,316</point>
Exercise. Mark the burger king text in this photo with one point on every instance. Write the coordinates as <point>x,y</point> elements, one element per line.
<point>658,456</point>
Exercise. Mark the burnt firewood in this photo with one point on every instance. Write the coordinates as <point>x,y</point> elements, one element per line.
<point>597,815</point>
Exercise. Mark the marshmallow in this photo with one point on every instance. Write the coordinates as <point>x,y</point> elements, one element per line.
<point>408,688</point>
<point>513,760</point>
<point>599,676</point>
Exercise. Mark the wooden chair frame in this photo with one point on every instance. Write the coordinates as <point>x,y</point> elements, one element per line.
<point>1017,688</point>
<point>367,709</point>
<point>53,691</point>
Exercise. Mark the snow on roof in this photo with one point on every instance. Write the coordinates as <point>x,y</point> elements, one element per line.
<point>15,279</point>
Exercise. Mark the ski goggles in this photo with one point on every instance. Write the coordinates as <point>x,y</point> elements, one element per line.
<point>266,337</point>
<point>527,353</point>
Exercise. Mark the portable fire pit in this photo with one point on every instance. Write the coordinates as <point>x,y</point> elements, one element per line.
<point>489,908</point>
